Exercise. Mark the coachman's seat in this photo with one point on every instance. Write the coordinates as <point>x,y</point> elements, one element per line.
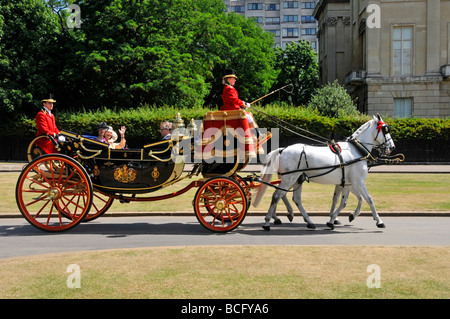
<point>226,145</point>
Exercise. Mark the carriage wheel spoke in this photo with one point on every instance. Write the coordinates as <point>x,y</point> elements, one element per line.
<point>63,196</point>
<point>221,204</point>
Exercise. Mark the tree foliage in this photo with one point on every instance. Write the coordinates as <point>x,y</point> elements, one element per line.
<point>333,100</point>
<point>297,65</point>
<point>135,52</point>
<point>28,54</point>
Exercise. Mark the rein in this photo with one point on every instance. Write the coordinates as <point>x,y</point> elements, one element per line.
<point>278,121</point>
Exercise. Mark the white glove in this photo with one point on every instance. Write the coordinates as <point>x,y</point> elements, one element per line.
<point>246,105</point>
<point>61,139</point>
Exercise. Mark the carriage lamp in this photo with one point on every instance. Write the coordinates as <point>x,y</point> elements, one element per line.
<point>178,127</point>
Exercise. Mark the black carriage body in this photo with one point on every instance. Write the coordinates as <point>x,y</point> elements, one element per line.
<point>126,171</point>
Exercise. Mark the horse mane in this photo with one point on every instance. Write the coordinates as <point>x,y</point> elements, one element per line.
<point>361,129</point>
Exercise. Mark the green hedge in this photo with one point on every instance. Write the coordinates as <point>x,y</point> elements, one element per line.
<point>143,122</point>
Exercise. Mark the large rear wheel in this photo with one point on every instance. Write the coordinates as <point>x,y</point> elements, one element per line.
<point>220,204</point>
<point>100,204</point>
<point>54,192</point>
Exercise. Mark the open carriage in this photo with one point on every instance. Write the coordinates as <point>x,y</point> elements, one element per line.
<point>57,191</point>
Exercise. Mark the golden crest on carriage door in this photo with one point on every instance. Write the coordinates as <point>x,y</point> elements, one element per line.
<point>155,174</point>
<point>124,174</point>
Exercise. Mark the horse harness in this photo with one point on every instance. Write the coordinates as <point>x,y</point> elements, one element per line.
<point>336,149</point>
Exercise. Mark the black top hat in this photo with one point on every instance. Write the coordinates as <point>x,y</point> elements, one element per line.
<point>50,99</point>
<point>229,74</point>
<point>102,125</point>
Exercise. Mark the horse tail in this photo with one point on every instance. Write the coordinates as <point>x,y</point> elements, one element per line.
<point>273,161</point>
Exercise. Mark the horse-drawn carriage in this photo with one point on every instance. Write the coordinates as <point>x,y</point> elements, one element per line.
<point>55,192</point>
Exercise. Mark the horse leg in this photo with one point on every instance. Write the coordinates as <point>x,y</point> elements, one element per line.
<point>351,217</point>
<point>297,198</point>
<point>336,195</point>
<point>289,208</point>
<point>290,215</point>
<point>362,189</point>
<point>271,213</point>
<point>345,193</point>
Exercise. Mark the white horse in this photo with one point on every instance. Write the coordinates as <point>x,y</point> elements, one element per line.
<point>300,162</point>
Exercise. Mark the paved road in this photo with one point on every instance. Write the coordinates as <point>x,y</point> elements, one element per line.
<point>21,239</point>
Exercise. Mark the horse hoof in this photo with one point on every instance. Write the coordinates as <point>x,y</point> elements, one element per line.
<point>337,222</point>
<point>290,217</point>
<point>351,218</point>
<point>266,228</point>
<point>277,222</point>
<point>311,226</point>
<point>381,225</point>
<point>331,225</point>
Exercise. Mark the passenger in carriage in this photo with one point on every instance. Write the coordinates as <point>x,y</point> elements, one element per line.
<point>111,138</point>
<point>231,101</point>
<point>166,130</point>
<point>101,129</point>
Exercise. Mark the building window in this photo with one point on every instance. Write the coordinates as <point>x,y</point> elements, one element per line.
<point>402,55</point>
<point>273,7</point>
<point>290,32</point>
<point>255,6</point>
<point>308,31</point>
<point>308,19</point>
<point>290,18</point>
<point>275,32</point>
<point>290,4</point>
<point>259,20</point>
<point>403,107</point>
<point>308,5</point>
<point>237,8</point>
<point>273,20</point>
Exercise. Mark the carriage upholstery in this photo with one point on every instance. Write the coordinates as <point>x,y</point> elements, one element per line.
<point>226,144</point>
<point>225,134</point>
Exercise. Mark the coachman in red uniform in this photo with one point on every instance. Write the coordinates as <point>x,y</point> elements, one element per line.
<point>46,125</point>
<point>231,101</point>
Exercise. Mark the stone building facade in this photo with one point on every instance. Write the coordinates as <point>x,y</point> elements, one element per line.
<point>393,56</point>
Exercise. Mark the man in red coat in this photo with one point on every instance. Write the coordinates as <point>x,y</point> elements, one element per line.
<point>45,124</point>
<point>231,101</point>
<point>230,95</point>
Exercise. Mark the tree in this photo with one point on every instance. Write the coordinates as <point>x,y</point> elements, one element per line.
<point>163,52</point>
<point>297,65</point>
<point>128,53</point>
<point>242,45</point>
<point>333,100</point>
<point>28,55</point>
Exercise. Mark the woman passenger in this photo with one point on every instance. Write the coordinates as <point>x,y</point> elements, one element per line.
<point>111,138</point>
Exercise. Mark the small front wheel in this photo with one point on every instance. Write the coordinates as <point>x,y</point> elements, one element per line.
<point>54,192</point>
<point>220,204</point>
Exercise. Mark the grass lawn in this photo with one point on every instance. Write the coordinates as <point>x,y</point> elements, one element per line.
<point>260,272</point>
<point>391,193</point>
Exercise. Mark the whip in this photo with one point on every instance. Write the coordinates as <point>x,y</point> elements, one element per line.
<point>282,88</point>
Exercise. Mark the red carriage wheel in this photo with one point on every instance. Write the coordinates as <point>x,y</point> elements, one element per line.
<point>54,192</point>
<point>220,204</point>
<point>100,204</point>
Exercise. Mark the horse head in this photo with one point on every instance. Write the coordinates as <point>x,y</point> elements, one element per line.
<point>383,140</point>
